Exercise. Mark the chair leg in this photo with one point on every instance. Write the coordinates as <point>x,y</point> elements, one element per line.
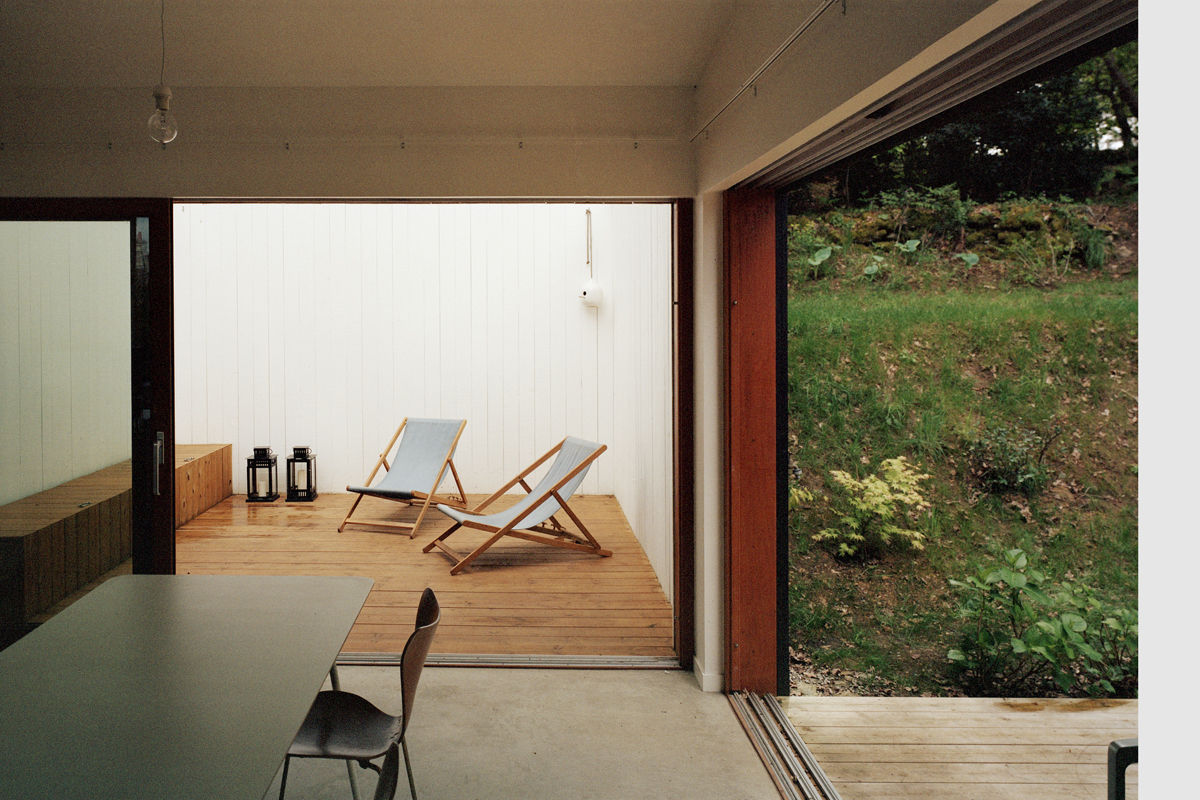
<point>474,554</point>
<point>435,542</point>
<point>350,513</point>
<point>424,508</point>
<point>389,775</point>
<point>412,787</point>
<point>353,779</point>
<point>287,760</point>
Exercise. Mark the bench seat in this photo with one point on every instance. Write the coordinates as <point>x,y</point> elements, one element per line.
<point>59,540</point>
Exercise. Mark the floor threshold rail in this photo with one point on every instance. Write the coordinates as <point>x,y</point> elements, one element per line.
<point>788,760</point>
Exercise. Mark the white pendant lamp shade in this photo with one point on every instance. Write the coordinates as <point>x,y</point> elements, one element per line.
<point>591,295</point>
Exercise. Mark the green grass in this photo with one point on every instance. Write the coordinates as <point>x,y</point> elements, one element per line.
<point>876,372</point>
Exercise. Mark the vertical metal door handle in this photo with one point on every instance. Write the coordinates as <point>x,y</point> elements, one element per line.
<point>159,455</point>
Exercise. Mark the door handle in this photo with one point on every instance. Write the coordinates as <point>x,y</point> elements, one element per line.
<point>160,450</point>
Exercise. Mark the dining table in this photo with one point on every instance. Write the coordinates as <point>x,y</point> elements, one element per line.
<point>169,686</point>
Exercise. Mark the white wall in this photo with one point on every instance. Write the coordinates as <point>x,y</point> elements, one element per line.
<point>64,352</point>
<point>324,324</point>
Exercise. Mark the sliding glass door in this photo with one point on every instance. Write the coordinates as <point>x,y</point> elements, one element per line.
<point>86,385</point>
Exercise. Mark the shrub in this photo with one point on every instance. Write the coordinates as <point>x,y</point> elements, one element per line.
<point>942,210</point>
<point>949,211</point>
<point>870,513</point>
<point>1092,244</point>
<point>1005,459</point>
<point>1019,636</point>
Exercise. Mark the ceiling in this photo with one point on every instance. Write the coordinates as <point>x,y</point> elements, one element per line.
<point>332,43</point>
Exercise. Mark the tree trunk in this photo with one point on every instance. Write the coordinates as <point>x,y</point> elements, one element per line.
<point>1128,95</point>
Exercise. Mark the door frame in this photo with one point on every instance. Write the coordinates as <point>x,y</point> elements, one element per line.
<point>755,421</point>
<point>152,377</point>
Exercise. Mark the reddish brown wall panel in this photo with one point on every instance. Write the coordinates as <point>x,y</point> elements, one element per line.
<point>751,542</point>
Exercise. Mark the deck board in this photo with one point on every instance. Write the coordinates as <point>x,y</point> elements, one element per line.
<point>964,748</point>
<point>519,598</point>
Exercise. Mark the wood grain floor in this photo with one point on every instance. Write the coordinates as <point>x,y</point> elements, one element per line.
<point>964,748</point>
<point>519,598</point>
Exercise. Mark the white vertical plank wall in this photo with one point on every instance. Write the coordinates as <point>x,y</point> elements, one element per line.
<point>64,352</point>
<point>323,325</point>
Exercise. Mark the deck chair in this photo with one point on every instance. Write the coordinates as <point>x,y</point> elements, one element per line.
<point>425,452</point>
<point>343,725</point>
<point>532,518</point>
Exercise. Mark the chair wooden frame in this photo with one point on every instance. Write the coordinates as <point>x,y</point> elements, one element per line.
<point>549,530</point>
<point>426,498</point>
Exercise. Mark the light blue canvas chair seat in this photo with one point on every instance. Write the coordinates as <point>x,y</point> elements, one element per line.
<point>422,458</point>
<point>531,518</point>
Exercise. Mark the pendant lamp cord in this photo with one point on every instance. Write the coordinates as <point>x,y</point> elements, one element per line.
<point>589,242</point>
<point>162,27</point>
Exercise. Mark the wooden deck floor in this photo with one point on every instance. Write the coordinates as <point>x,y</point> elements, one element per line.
<point>964,748</point>
<point>518,599</point>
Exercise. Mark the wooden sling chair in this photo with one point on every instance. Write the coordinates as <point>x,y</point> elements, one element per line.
<point>532,518</point>
<point>425,452</point>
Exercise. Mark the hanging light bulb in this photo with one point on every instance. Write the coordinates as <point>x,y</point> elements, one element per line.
<point>162,124</point>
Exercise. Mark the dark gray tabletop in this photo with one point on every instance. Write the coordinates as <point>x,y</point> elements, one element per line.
<point>169,686</point>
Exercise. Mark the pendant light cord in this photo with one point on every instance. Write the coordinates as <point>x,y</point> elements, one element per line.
<point>162,27</point>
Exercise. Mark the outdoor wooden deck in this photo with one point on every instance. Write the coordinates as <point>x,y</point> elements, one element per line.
<point>517,599</point>
<point>952,748</point>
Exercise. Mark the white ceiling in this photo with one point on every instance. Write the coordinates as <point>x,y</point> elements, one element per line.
<point>330,43</point>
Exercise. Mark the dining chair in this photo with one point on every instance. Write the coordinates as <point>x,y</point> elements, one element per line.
<point>345,726</point>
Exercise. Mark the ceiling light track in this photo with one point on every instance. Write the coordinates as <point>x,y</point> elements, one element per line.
<point>766,65</point>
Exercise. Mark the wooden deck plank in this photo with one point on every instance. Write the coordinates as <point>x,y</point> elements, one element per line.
<point>978,748</point>
<point>520,599</point>
<point>956,791</point>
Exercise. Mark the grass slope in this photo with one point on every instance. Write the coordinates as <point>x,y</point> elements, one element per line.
<point>921,365</point>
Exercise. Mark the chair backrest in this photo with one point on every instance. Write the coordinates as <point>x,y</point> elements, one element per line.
<point>425,445</point>
<point>571,454</point>
<point>416,650</point>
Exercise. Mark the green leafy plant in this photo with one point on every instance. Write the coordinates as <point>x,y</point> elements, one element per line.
<point>909,247</point>
<point>1091,243</point>
<point>968,259</point>
<point>817,261</point>
<point>797,497</point>
<point>809,253</point>
<point>997,608</point>
<point>1107,640</point>
<point>873,267</point>
<point>871,513</point>
<point>1005,459</point>
<point>1020,636</point>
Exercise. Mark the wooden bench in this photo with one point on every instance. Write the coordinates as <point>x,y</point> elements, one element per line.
<point>58,540</point>
<point>203,478</point>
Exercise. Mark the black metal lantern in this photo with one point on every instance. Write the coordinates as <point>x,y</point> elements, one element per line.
<point>262,476</point>
<point>302,475</point>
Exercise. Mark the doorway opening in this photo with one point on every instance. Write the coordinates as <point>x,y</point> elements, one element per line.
<point>324,324</point>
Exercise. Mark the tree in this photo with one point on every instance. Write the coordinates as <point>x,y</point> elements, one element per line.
<point>1113,77</point>
<point>1046,138</point>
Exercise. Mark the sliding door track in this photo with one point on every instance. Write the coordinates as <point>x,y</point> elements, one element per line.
<point>788,760</point>
<point>506,660</point>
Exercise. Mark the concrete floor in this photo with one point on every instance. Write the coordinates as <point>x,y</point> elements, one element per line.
<point>553,733</point>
